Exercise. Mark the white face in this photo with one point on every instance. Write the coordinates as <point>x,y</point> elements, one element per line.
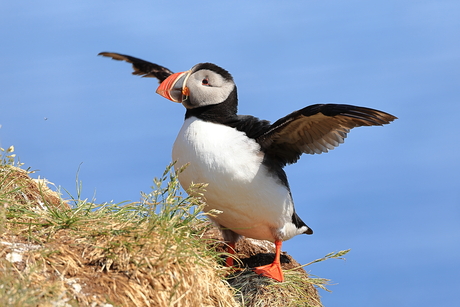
<point>206,87</point>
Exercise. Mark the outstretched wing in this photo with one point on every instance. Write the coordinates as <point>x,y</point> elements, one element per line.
<point>316,129</point>
<point>141,67</point>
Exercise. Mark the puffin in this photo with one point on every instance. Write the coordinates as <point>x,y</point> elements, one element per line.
<point>241,158</point>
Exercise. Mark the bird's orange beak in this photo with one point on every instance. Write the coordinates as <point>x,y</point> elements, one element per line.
<point>173,87</point>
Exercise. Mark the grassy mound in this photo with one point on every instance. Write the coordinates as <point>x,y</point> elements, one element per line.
<point>152,253</point>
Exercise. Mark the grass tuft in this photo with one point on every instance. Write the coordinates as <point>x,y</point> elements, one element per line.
<point>257,291</point>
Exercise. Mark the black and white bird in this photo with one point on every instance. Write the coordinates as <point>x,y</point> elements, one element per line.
<point>241,157</point>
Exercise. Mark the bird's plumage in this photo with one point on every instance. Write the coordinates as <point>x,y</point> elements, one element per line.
<point>238,184</point>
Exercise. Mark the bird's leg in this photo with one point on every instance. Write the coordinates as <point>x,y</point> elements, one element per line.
<point>230,250</point>
<point>272,270</point>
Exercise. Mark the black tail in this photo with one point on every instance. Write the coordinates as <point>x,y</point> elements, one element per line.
<point>297,221</point>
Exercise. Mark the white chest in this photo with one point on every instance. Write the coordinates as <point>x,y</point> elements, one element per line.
<point>216,153</point>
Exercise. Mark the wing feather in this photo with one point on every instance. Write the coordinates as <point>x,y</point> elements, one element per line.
<point>141,67</point>
<point>316,129</point>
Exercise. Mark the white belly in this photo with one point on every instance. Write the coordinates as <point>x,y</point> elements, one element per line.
<point>253,203</point>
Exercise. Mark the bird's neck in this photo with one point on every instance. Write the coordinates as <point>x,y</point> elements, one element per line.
<point>217,113</point>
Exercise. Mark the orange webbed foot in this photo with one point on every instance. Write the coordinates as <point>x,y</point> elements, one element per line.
<point>272,270</point>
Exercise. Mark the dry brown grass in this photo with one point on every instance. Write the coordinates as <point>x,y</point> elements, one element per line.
<point>17,187</point>
<point>152,253</point>
<point>88,256</point>
<point>256,291</point>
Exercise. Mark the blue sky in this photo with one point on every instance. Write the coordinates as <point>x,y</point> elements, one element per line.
<point>391,193</point>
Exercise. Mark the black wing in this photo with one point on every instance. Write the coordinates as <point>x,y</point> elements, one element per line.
<point>316,129</point>
<point>141,67</point>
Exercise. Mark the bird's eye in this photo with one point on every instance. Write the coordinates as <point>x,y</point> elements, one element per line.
<point>205,81</point>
